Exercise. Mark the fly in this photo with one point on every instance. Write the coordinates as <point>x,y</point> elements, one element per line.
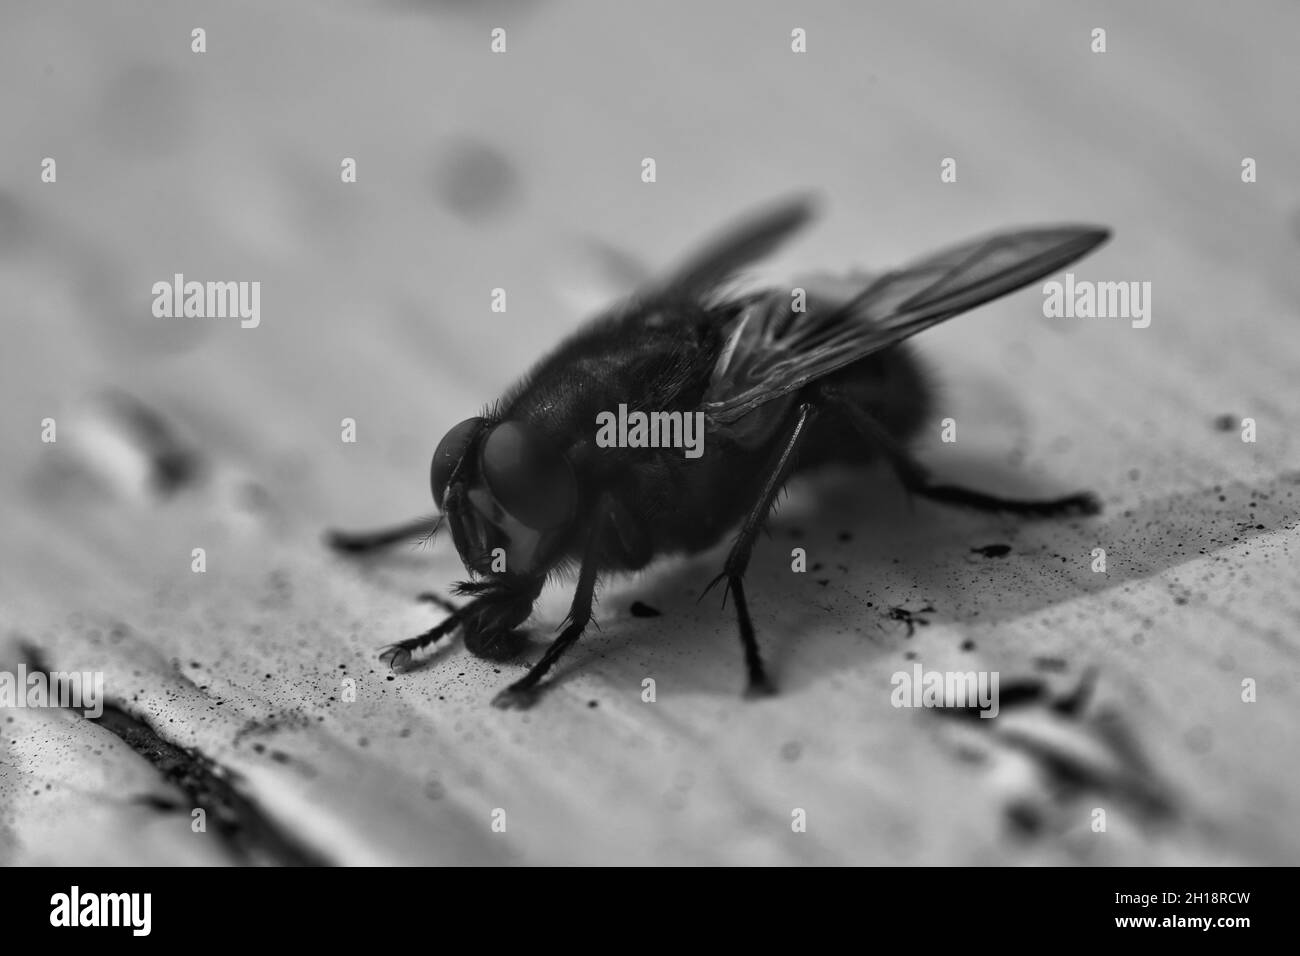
<point>781,386</point>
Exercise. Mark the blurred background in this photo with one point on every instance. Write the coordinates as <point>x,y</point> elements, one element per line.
<point>522,170</point>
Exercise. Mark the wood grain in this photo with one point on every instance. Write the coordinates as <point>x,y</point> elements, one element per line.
<point>522,171</point>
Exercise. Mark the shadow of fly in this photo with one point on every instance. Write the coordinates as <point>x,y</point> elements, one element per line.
<point>781,381</point>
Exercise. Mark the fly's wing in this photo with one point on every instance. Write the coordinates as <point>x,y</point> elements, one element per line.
<point>714,262</point>
<point>748,240</point>
<point>697,280</point>
<point>773,351</point>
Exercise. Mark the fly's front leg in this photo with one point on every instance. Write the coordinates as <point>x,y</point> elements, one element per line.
<point>918,482</point>
<point>523,693</point>
<point>364,542</point>
<point>398,655</point>
<point>433,597</point>
<point>738,559</point>
<point>498,607</point>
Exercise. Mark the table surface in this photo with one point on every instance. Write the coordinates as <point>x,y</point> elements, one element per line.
<point>231,688</point>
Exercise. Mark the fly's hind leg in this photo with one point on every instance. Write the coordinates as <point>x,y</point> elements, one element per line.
<point>1079,503</point>
<point>918,482</point>
<point>738,559</point>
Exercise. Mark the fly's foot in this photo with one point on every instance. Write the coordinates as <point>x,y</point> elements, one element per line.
<point>720,579</point>
<point>395,656</point>
<point>1084,503</point>
<point>758,688</point>
<point>515,697</point>
<point>398,656</point>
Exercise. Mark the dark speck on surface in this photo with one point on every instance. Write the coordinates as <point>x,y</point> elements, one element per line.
<point>1200,739</point>
<point>1024,819</point>
<point>910,618</point>
<point>993,550</point>
<point>640,609</point>
<point>1225,423</point>
<point>475,180</point>
<point>156,801</point>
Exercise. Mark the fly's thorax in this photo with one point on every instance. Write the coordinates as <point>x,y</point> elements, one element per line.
<point>764,424</point>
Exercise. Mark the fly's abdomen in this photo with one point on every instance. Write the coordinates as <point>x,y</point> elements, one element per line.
<point>890,386</point>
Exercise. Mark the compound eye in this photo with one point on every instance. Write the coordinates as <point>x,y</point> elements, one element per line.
<point>528,478</point>
<point>449,453</point>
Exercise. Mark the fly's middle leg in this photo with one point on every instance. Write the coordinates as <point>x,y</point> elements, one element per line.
<point>738,559</point>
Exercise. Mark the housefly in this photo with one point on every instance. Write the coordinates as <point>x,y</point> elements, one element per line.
<point>779,383</point>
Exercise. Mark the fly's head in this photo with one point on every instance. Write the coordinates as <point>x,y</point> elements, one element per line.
<point>509,497</point>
